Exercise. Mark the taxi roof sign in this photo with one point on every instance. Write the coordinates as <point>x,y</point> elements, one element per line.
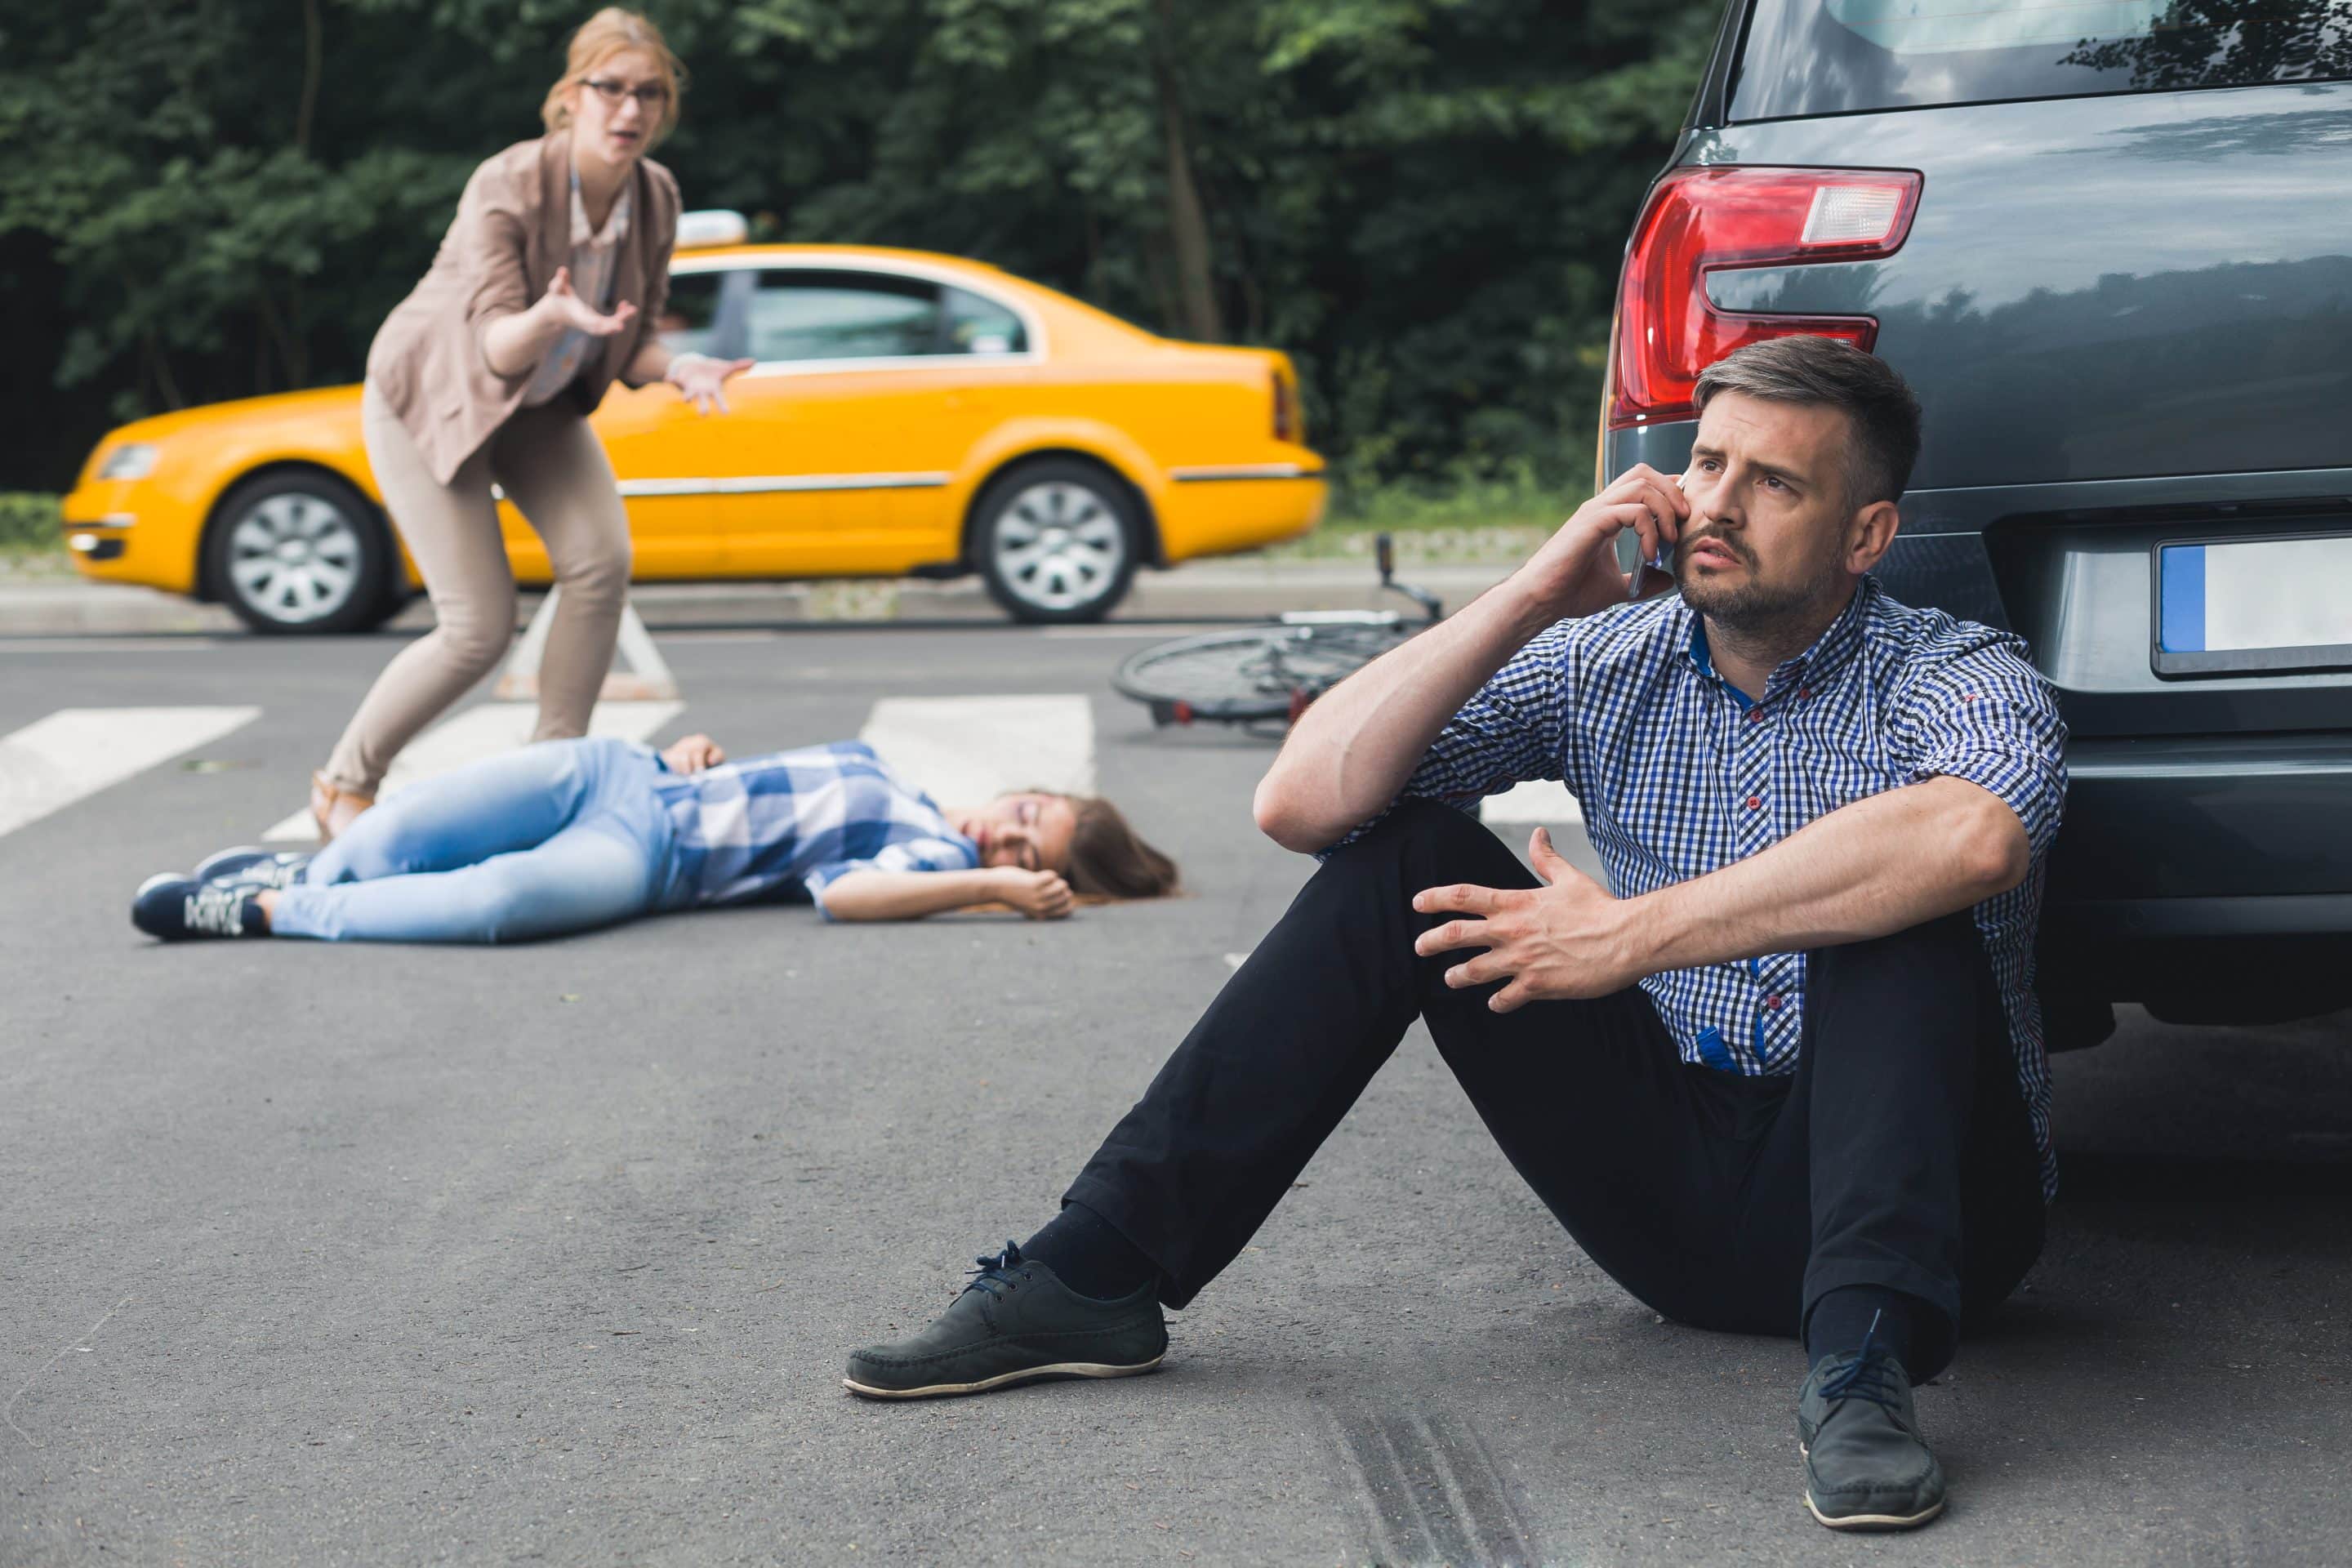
<point>711,227</point>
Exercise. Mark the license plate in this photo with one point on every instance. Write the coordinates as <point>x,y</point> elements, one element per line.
<point>2237,606</point>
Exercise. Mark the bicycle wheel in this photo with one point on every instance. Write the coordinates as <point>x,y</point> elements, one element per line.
<point>1261,672</point>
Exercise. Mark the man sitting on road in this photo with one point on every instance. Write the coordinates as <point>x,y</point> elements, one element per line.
<point>1786,1078</point>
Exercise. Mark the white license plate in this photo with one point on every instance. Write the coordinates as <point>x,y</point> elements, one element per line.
<point>2260,603</point>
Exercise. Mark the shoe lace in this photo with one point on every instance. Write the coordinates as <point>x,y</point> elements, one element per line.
<point>994,1275</point>
<point>216,910</point>
<point>1870,1375</point>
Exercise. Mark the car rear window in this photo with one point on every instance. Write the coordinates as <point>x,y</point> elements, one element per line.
<point>1833,57</point>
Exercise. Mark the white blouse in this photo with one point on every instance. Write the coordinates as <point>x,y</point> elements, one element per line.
<point>595,258</point>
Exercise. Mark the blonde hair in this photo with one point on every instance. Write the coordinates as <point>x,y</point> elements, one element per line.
<point>599,37</point>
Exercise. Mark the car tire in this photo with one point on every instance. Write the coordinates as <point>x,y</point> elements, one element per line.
<point>1057,541</point>
<point>300,551</point>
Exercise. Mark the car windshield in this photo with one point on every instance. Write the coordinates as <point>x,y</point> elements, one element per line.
<point>1832,56</point>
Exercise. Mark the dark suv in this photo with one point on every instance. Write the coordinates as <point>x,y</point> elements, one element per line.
<point>2110,246</point>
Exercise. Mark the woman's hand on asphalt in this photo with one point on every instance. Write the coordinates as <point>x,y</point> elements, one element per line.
<point>1040,895</point>
<point>702,380</point>
<point>693,754</point>
<point>562,305</point>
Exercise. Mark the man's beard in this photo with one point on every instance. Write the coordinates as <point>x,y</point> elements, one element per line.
<point>1751,608</point>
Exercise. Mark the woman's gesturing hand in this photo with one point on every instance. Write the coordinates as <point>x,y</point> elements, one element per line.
<point>1040,895</point>
<point>560,304</point>
<point>702,380</point>
<point>1564,940</point>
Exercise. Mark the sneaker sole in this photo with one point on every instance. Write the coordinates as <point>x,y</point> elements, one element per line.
<point>1060,1370</point>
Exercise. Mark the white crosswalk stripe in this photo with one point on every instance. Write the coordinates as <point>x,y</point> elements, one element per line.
<point>75,752</point>
<point>964,751</point>
<point>1545,800</point>
<point>485,731</point>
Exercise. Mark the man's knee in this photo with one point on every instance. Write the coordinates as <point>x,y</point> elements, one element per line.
<point>1938,955</point>
<point>1435,841</point>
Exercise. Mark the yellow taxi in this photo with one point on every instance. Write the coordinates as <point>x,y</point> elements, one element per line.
<point>907,413</point>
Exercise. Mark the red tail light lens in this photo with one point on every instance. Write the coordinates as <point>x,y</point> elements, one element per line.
<point>1286,409</point>
<point>1711,220</point>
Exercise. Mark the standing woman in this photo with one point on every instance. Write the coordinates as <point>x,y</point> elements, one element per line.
<point>546,288</point>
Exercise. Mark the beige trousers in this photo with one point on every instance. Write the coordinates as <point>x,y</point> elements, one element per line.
<point>552,466</point>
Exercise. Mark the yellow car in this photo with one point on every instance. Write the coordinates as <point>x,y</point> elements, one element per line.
<point>909,414</point>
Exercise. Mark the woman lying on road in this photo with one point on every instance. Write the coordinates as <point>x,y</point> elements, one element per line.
<point>568,835</point>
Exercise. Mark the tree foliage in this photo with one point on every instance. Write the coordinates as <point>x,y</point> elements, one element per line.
<point>1423,201</point>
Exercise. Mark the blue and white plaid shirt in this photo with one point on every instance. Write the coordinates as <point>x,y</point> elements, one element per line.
<point>772,826</point>
<point>1679,775</point>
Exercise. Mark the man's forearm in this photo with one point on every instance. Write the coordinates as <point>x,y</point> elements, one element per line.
<point>1881,865</point>
<point>1353,750</point>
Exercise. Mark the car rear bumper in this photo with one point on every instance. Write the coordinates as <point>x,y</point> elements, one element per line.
<point>2204,875</point>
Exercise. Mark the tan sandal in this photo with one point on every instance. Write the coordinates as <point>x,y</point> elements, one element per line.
<point>334,809</point>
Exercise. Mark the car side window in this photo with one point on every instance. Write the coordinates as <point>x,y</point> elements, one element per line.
<point>811,315</point>
<point>689,318</point>
<point>978,326</point>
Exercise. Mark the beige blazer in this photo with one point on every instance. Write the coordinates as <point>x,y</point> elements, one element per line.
<point>512,230</point>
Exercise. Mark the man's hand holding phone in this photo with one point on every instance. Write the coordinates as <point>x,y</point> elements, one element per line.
<point>1575,572</point>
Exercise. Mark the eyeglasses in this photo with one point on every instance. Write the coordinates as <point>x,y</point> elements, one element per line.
<point>650,98</point>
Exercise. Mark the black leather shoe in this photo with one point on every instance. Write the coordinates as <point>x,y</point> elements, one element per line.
<point>1866,1466</point>
<point>1015,1324</point>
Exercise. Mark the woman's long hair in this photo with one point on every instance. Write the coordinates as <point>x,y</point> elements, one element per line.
<point>1109,860</point>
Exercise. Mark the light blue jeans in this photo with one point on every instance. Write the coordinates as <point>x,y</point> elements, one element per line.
<point>559,836</point>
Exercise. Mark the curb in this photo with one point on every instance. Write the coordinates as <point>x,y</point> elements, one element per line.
<point>1223,591</point>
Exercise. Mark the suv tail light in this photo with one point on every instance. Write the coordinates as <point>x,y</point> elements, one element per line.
<point>1286,409</point>
<point>1699,221</point>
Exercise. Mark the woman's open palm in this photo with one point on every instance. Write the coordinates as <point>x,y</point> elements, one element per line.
<point>578,314</point>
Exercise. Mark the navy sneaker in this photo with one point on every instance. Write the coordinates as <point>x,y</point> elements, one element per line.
<point>248,866</point>
<point>1866,1465</point>
<point>172,908</point>
<point>1015,1324</point>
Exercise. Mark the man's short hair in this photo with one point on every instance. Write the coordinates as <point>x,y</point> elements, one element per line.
<point>1823,371</point>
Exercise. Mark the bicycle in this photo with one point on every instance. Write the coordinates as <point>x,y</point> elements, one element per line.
<point>1257,676</point>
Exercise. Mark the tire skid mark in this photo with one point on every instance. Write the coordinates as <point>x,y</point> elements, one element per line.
<point>1430,1491</point>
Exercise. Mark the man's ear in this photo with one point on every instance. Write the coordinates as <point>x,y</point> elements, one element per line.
<point>1869,534</point>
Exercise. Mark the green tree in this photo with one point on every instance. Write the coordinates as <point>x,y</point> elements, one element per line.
<point>1423,201</point>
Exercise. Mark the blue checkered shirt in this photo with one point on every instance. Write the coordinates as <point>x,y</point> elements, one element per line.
<point>1679,773</point>
<point>793,822</point>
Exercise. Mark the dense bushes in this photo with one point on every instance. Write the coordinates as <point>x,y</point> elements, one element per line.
<point>1422,200</point>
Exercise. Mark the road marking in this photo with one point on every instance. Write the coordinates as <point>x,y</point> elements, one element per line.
<point>965,751</point>
<point>51,763</point>
<point>1115,629</point>
<point>67,643</point>
<point>1542,800</point>
<point>486,731</point>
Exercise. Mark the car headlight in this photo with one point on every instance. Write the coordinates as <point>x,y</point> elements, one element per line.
<point>135,461</point>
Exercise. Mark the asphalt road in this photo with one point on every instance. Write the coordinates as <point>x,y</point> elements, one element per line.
<point>377,1255</point>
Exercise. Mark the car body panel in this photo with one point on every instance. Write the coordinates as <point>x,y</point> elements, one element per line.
<point>825,468</point>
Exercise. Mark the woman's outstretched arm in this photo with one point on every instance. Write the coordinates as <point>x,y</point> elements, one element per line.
<point>909,895</point>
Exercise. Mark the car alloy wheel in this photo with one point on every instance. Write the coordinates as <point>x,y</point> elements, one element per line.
<point>300,552</point>
<point>1059,548</point>
<point>295,557</point>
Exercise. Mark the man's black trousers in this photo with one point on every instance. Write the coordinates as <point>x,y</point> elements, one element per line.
<point>1898,1155</point>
